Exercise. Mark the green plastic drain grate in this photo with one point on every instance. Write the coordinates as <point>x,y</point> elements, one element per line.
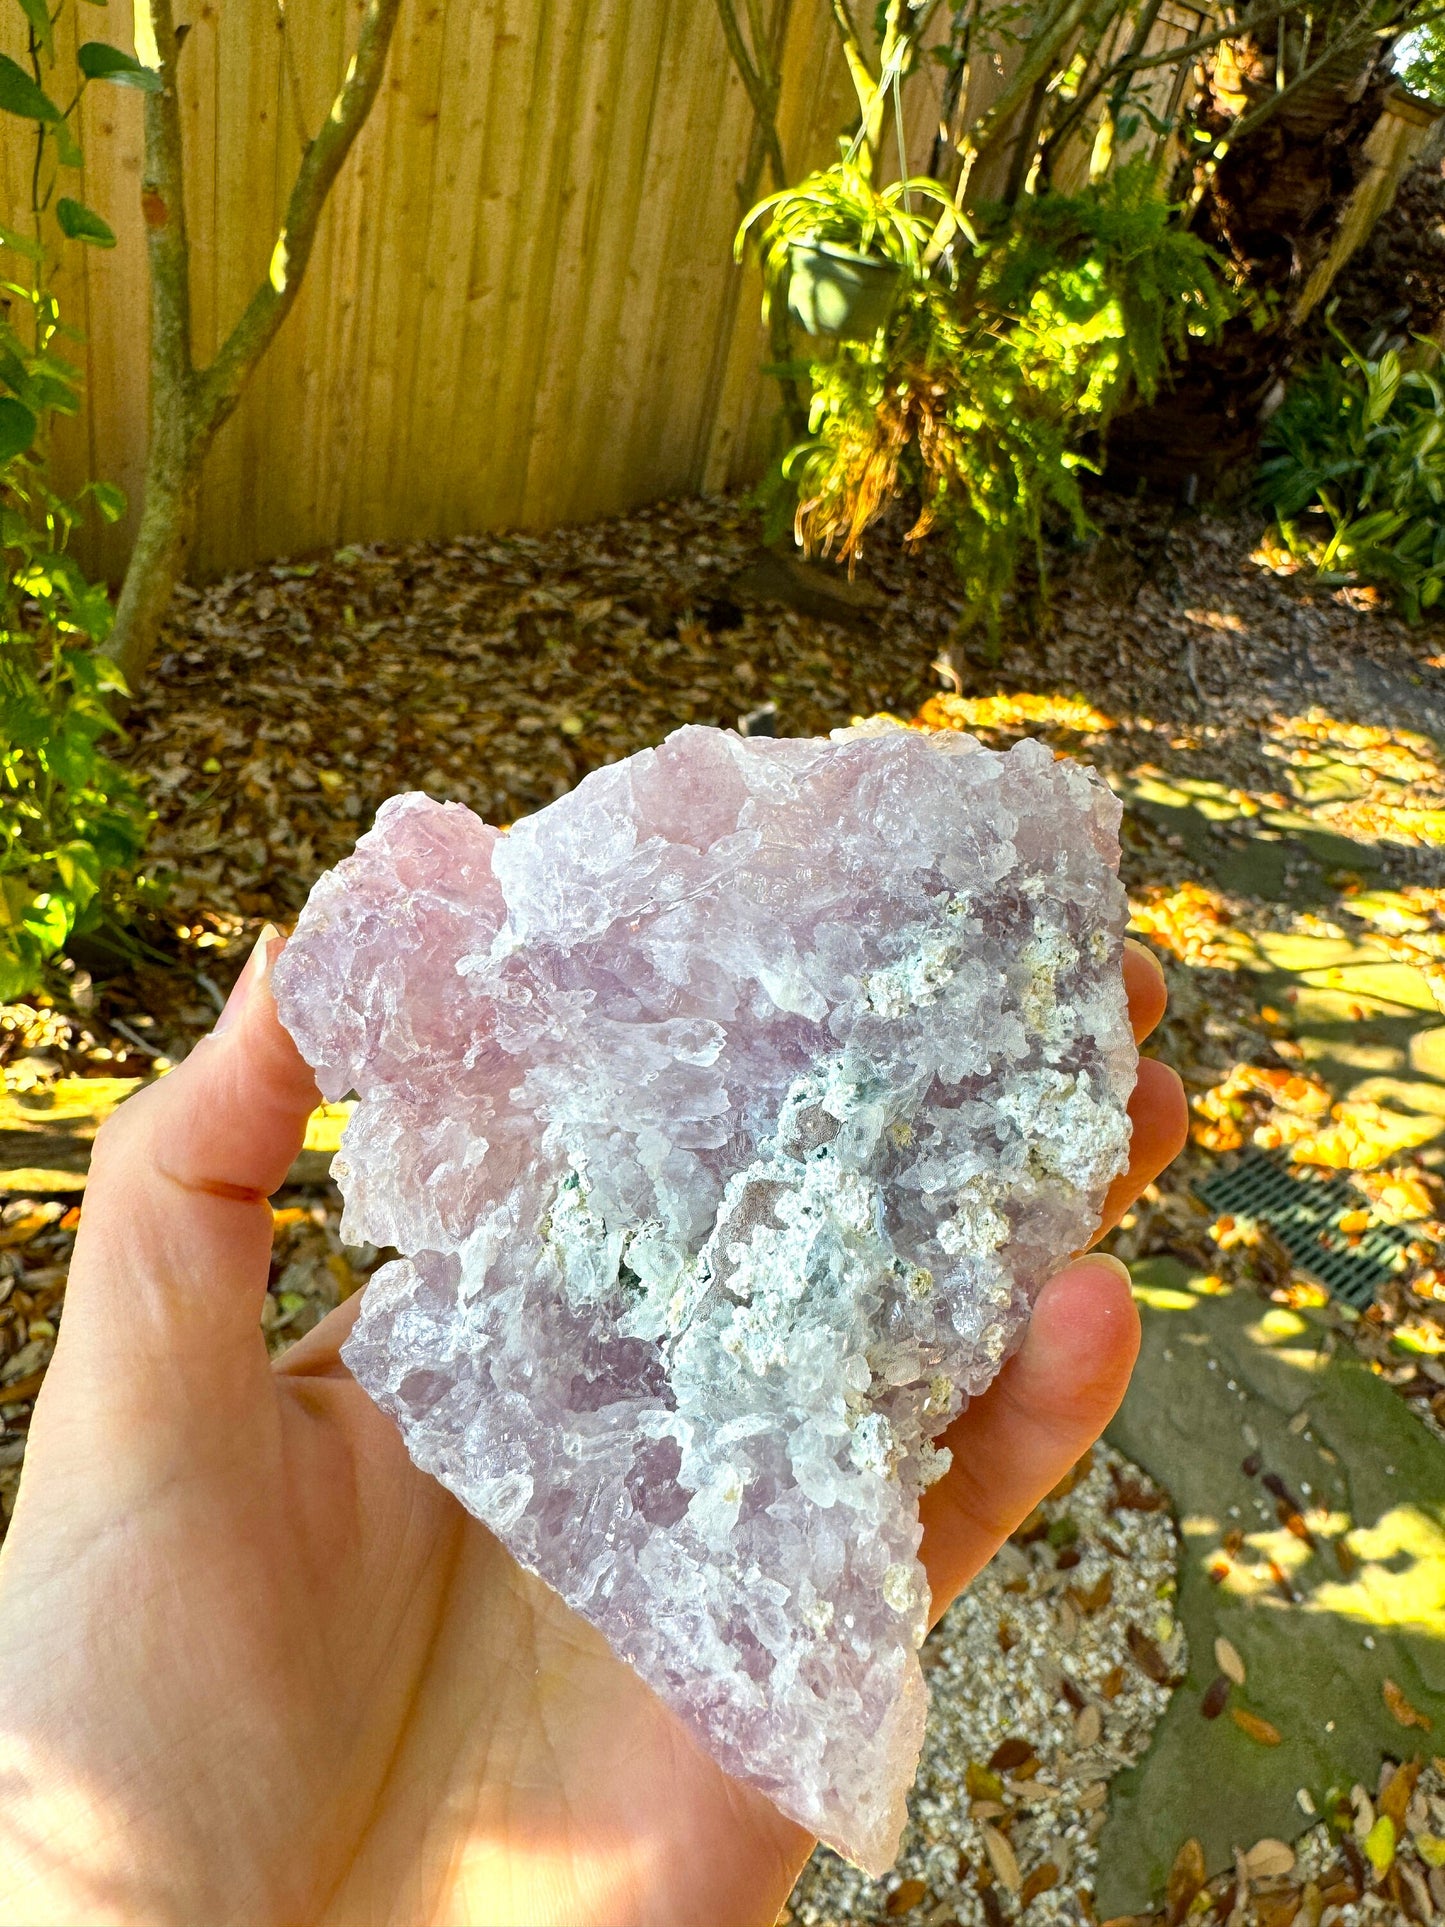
<point>1303,1207</point>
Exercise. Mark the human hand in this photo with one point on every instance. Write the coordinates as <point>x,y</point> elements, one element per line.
<point>256,1668</point>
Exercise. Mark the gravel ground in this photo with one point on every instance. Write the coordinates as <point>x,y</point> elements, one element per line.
<point>1047,1676</point>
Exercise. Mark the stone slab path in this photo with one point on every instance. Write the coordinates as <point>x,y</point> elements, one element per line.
<point>1311,1504</point>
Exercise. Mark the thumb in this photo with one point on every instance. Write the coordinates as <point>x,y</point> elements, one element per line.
<point>170,1266</point>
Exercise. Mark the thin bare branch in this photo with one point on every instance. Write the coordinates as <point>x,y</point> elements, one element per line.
<point>293,79</point>
<point>1086,96</point>
<point>761,86</point>
<point>1053,34</point>
<point>220,387</point>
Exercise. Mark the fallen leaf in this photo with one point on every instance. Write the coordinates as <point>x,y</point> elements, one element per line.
<point>1112,1684</point>
<point>1038,1882</point>
<point>1396,1792</point>
<point>1079,1470</point>
<point>21,1388</point>
<point>1147,1655</point>
<point>1293,1521</point>
<point>1257,1729</point>
<point>1186,1878</point>
<point>1002,1858</point>
<point>1268,1858</point>
<point>981,1783</point>
<point>907,1895</point>
<point>1277,1910</point>
<point>1379,1843</point>
<point>1345,1559</point>
<point>1097,1596</point>
<point>1089,1727</point>
<point>1226,1658</point>
<point>24,1226</point>
<point>1402,1710</point>
<point>1216,1696</point>
<point>1130,1496</point>
<point>1009,1754</point>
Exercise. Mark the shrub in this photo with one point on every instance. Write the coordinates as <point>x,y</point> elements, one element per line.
<point>1354,469</point>
<point>71,822</point>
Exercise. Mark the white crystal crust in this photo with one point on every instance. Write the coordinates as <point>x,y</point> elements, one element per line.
<point>730,1111</point>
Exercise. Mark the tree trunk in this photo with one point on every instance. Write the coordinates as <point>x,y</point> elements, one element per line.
<point>1273,207</point>
<point>168,509</point>
<point>189,406</point>
<point>158,560</point>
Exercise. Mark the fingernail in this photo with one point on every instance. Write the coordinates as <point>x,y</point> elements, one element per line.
<point>257,969</point>
<point>1108,1262</point>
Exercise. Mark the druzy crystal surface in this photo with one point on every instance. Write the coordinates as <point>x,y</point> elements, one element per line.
<point>730,1112</point>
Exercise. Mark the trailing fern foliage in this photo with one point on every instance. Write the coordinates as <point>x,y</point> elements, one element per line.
<point>986,392</point>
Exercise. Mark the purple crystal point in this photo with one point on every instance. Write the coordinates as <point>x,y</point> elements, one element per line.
<point>731,1111</point>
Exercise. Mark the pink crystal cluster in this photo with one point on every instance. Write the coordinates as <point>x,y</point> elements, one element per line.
<point>730,1112</point>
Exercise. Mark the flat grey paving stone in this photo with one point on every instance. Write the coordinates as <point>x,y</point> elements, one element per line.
<point>1261,1424</point>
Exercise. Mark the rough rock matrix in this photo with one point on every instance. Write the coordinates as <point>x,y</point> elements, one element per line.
<point>731,1111</point>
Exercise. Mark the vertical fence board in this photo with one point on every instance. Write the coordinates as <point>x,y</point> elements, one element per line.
<point>521,307</point>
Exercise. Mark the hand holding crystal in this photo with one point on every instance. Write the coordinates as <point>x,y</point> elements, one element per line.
<point>257,1668</point>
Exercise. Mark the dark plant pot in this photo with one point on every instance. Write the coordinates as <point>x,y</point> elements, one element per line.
<point>833,291</point>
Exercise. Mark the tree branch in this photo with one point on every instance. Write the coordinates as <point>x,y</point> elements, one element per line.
<point>1042,51</point>
<point>1110,70</point>
<point>761,86</point>
<point>219,388</point>
<point>163,204</point>
<point>1250,23</point>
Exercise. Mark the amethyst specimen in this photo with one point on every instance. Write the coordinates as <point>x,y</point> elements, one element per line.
<point>731,1112</point>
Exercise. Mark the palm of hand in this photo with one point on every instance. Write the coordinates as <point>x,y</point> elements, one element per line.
<point>282,1676</point>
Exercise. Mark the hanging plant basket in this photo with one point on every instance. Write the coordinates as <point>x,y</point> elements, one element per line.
<point>834,291</point>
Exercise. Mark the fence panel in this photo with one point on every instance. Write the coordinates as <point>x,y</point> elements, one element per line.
<point>522,307</point>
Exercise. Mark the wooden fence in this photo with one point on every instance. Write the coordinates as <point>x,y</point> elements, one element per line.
<point>522,308</point>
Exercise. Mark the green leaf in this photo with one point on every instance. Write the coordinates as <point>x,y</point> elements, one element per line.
<point>97,61</point>
<point>51,391</point>
<point>32,250</point>
<point>82,224</point>
<point>50,918</point>
<point>12,373</point>
<point>38,14</point>
<point>17,428</point>
<point>67,147</point>
<point>15,901</point>
<point>109,499</point>
<point>20,95</point>
<point>79,867</point>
